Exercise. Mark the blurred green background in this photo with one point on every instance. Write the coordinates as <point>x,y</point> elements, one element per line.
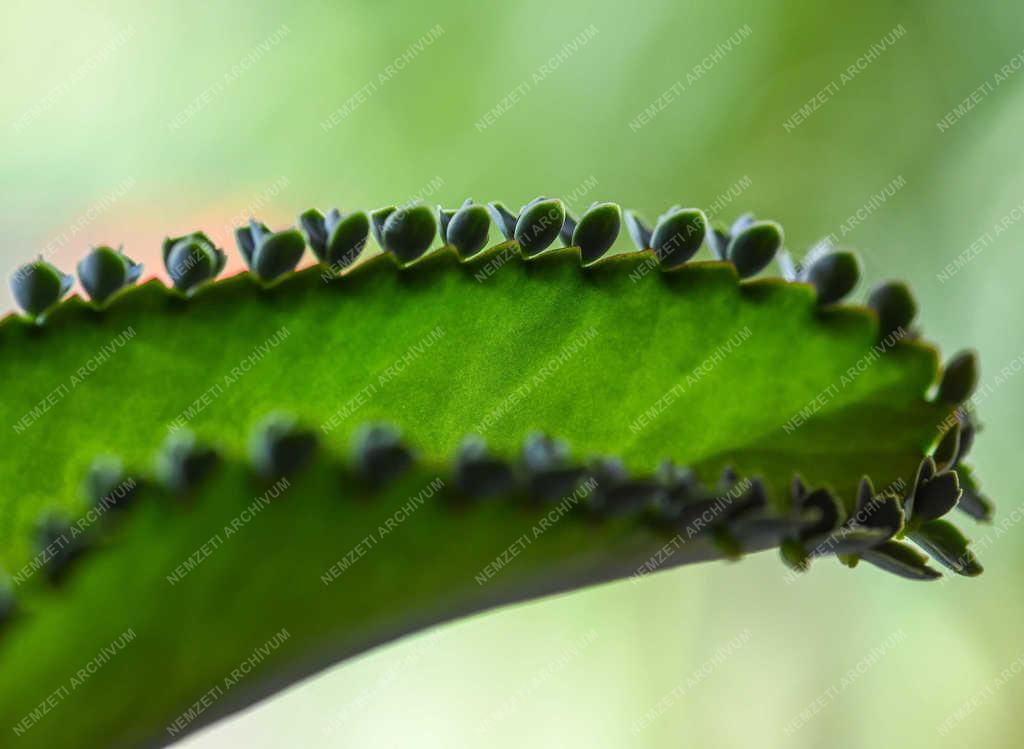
<point>124,122</point>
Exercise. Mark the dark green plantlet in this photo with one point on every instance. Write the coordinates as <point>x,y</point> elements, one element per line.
<point>479,474</point>
<point>882,512</point>
<point>895,306</point>
<point>947,545</point>
<point>947,452</point>
<point>279,446</point>
<point>967,431</point>
<point>974,503</point>
<point>504,219</point>
<point>678,235</point>
<point>718,241</point>
<point>38,286</point>
<point>445,215</point>
<point>719,236</point>
<point>959,378</point>
<point>597,230</point>
<point>608,474</point>
<point>337,241</point>
<point>192,260</point>
<point>550,473</point>
<point>639,232</point>
<point>900,559</point>
<point>105,271</point>
<point>830,513</point>
<point>935,497</point>
<point>568,229</point>
<point>754,247</point>
<point>377,220</point>
<point>379,454</point>
<point>183,462</point>
<point>57,545</point>
<point>269,254</point>
<point>848,540</point>
<point>925,471</point>
<point>539,225</point>
<point>468,229</point>
<point>542,453</point>
<point>408,232</point>
<point>106,486</point>
<point>833,276</point>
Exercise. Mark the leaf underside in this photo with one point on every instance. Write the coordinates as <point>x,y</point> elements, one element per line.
<point>617,358</point>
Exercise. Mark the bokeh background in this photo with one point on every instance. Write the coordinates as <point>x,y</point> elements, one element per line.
<point>125,121</point>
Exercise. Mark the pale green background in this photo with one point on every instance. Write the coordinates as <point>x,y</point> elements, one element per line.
<point>580,670</point>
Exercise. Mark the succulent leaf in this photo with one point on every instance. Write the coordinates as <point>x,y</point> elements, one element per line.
<point>678,236</point>
<point>754,247</point>
<point>539,226</point>
<point>469,229</point>
<point>900,559</point>
<point>833,276</point>
<point>597,230</point>
<point>408,232</point>
<point>39,286</point>
<point>391,348</point>
<point>959,378</point>
<point>504,219</point>
<point>947,545</point>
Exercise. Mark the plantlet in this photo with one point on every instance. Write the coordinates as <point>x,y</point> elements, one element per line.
<point>597,230</point>
<point>350,461</point>
<point>269,254</point>
<point>280,446</point>
<point>539,224</point>
<point>336,240</point>
<point>39,286</point>
<point>408,232</point>
<point>105,271</point>
<point>753,246</point>
<point>192,260</point>
<point>465,229</point>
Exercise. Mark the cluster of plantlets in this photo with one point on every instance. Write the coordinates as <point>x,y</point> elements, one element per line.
<point>407,233</point>
<point>734,514</point>
<point>627,509</point>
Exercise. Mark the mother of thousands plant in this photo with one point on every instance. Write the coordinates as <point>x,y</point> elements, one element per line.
<point>281,469</point>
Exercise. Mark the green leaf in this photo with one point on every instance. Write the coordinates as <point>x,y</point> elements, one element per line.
<point>935,497</point>
<point>753,245</point>
<point>834,275</point>
<point>678,236</point>
<point>947,545</point>
<point>539,225</point>
<point>105,271</point>
<point>959,378</point>
<point>277,253</point>
<point>347,240</point>
<point>894,304</point>
<point>972,501</point>
<point>408,232</point>
<point>39,286</point>
<point>468,229</point>
<point>441,349</point>
<point>900,559</point>
<point>597,230</point>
